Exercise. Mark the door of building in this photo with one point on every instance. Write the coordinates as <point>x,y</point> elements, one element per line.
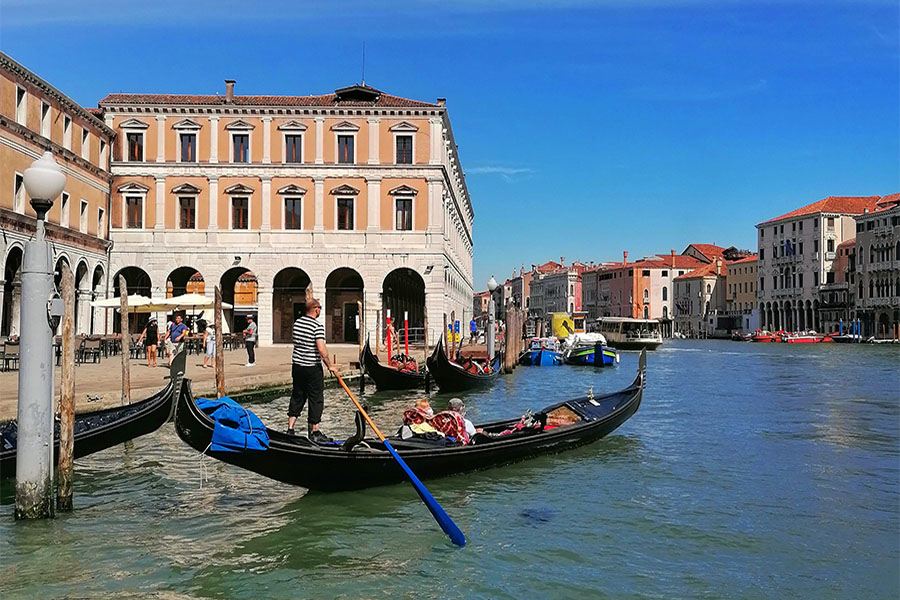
<point>351,333</point>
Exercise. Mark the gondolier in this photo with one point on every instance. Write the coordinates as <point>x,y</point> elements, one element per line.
<point>306,371</point>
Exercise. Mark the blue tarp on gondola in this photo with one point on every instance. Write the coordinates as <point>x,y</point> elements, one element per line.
<point>236,428</point>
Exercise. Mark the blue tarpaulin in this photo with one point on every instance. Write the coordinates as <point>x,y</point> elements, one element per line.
<point>237,429</point>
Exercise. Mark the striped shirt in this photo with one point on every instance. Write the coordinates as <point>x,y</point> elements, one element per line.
<point>306,331</point>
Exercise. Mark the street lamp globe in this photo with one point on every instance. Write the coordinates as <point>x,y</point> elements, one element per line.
<point>44,181</point>
<point>492,284</point>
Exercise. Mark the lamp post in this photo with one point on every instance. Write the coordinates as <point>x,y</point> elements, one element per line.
<point>41,309</point>
<point>489,338</point>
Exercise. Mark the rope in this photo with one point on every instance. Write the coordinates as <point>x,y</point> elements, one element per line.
<point>204,471</point>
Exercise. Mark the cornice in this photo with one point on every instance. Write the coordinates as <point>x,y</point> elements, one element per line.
<point>253,111</point>
<point>58,151</point>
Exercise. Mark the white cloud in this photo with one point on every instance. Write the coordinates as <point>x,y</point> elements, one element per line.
<point>507,173</point>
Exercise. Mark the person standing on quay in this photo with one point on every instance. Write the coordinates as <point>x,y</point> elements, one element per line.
<point>250,341</point>
<point>150,337</point>
<point>473,330</point>
<point>306,371</point>
<point>177,333</point>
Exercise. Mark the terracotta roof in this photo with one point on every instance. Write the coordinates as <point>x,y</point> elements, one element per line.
<point>682,261</point>
<point>710,251</point>
<point>888,202</point>
<point>380,100</point>
<point>548,267</point>
<point>852,205</point>
<point>707,270</point>
<point>847,243</point>
<point>751,258</point>
<point>97,112</point>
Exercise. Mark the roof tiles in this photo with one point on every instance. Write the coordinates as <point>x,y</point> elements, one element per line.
<point>382,100</point>
<point>852,205</point>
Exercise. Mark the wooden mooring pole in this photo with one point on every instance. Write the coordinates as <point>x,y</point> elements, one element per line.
<point>220,345</point>
<point>453,335</point>
<point>126,340</point>
<point>67,395</point>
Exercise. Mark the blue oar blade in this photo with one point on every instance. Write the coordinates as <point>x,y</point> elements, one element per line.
<point>439,514</point>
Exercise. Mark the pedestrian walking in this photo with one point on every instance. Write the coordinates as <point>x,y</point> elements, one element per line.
<point>150,337</point>
<point>209,344</point>
<point>177,333</point>
<point>306,371</point>
<point>250,337</point>
<point>473,330</point>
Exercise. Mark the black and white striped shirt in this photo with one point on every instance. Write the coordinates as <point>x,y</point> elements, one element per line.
<point>306,331</point>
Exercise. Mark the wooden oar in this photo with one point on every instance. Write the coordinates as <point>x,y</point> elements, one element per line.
<point>439,514</point>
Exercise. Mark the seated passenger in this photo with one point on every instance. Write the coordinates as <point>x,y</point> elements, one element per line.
<point>457,406</point>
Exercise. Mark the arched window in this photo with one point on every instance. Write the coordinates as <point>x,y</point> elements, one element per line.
<point>665,293</point>
<point>646,313</point>
<point>871,254</point>
<point>708,288</point>
<point>646,294</point>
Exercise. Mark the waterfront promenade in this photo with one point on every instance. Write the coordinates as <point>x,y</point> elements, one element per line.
<point>103,380</point>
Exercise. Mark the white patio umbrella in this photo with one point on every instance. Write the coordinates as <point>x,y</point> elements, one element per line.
<point>193,301</point>
<point>136,303</point>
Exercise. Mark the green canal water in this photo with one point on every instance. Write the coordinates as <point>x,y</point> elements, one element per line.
<point>750,471</point>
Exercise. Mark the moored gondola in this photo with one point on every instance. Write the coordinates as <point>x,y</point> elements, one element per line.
<point>330,467</point>
<point>103,429</point>
<point>453,377</point>
<point>386,377</point>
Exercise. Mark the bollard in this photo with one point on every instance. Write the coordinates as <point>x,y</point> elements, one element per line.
<point>126,341</point>
<point>220,345</point>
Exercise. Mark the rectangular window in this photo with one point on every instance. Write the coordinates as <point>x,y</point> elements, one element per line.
<point>240,213</point>
<point>82,217</point>
<point>85,144</point>
<point>45,120</point>
<point>645,273</point>
<point>292,213</point>
<point>801,225</point>
<point>829,277</point>
<point>782,229</point>
<point>800,246</point>
<point>292,148</point>
<point>762,254</point>
<point>815,245</point>
<point>830,246</point>
<point>21,112</point>
<point>762,233</point>
<point>815,223</point>
<point>800,280</point>
<point>345,149</point>
<point>794,226</point>
<point>19,194</point>
<point>830,223</point>
<point>870,225</point>
<point>404,214</point>
<point>64,210</point>
<point>816,278</point>
<point>187,211</point>
<point>102,154</point>
<point>101,223</point>
<point>345,214</point>
<point>762,284</point>
<point>67,133</point>
<point>188,147</point>
<point>680,273</point>
<point>134,212</point>
<point>241,143</point>
<point>135,142</point>
<point>404,149</point>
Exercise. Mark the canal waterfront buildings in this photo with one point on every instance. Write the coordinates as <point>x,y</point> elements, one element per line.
<point>877,302</point>
<point>555,287</point>
<point>34,117</point>
<point>795,251</point>
<point>740,294</point>
<point>357,193</point>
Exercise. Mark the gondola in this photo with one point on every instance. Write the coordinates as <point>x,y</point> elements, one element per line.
<point>388,378</point>
<point>453,378</point>
<point>103,429</point>
<point>335,467</point>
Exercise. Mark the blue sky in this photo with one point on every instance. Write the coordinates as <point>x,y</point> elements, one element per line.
<point>585,127</point>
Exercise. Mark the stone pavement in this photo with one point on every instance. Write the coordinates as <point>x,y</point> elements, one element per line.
<point>104,379</point>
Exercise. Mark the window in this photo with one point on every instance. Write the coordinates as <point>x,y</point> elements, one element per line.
<point>801,225</point>
<point>404,149</point>
<point>404,214</point>
<point>101,223</point>
<point>800,280</point>
<point>240,212</point>
<point>815,223</point>
<point>67,133</point>
<point>345,213</point>
<point>82,217</point>
<point>85,144</point>
<point>665,273</point>
<point>646,294</point>
<point>241,142</point>
<point>292,213</point>
<point>135,145</point>
<point>680,273</point>
<point>19,194</point>
<point>645,273</point>
<point>345,149</point>
<point>815,245</point>
<point>188,147</point>
<point>762,254</point>
<point>45,120</point>
<point>762,284</point>
<point>665,293</point>
<point>816,278</point>
<point>794,226</point>
<point>830,223</point>
<point>708,288</point>
<point>64,210</point>
<point>134,212</point>
<point>292,149</point>
<point>782,229</point>
<point>102,154</point>
<point>762,233</point>
<point>830,247</point>
<point>800,247</point>
<point>187,212</point>
<point>21,112</point>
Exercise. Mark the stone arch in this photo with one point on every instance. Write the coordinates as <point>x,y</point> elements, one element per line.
<point>288,301</point>
<point>82,297</point>
<point>344,288</point>
<point>883,329</point>
<point>240,288</point>
<point>184,280</point>
<point>137,281</point>
<point>61,259</point>
<point>403,289</point>
<point>12,290</point>
<point>98,274</point>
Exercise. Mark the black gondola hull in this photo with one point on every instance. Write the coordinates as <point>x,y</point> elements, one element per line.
<point>387,378</point>
<point>296,461</point>
<point>450,378</point>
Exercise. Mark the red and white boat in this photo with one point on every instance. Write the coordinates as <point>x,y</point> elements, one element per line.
<point>766,337</point>
<point>807,338</point>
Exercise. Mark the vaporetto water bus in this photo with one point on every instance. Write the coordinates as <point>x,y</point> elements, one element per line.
<point>630,334</point>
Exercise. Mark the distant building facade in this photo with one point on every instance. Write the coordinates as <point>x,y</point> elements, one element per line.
<point>35,117</point>
<point>700,301</point>
<point>556,289</point>
<point>740,300</point>
<point>836,292</point>
<point>878,268</point>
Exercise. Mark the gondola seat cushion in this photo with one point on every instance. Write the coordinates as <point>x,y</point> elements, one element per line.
<point>236,428</point>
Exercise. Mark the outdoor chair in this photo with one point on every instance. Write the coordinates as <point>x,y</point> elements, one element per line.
<point>10,355</point>
<point>90,349</point>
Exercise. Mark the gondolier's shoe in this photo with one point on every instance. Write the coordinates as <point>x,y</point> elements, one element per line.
<point>319,437</point>
<point>290,431</point>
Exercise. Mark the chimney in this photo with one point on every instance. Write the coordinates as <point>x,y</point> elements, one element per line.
<point>718,265</point>
<point>442,101</point>
<point>625,257</point>
<point>673,259</point>
<point>562,260</point>
<point>229,91</point>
